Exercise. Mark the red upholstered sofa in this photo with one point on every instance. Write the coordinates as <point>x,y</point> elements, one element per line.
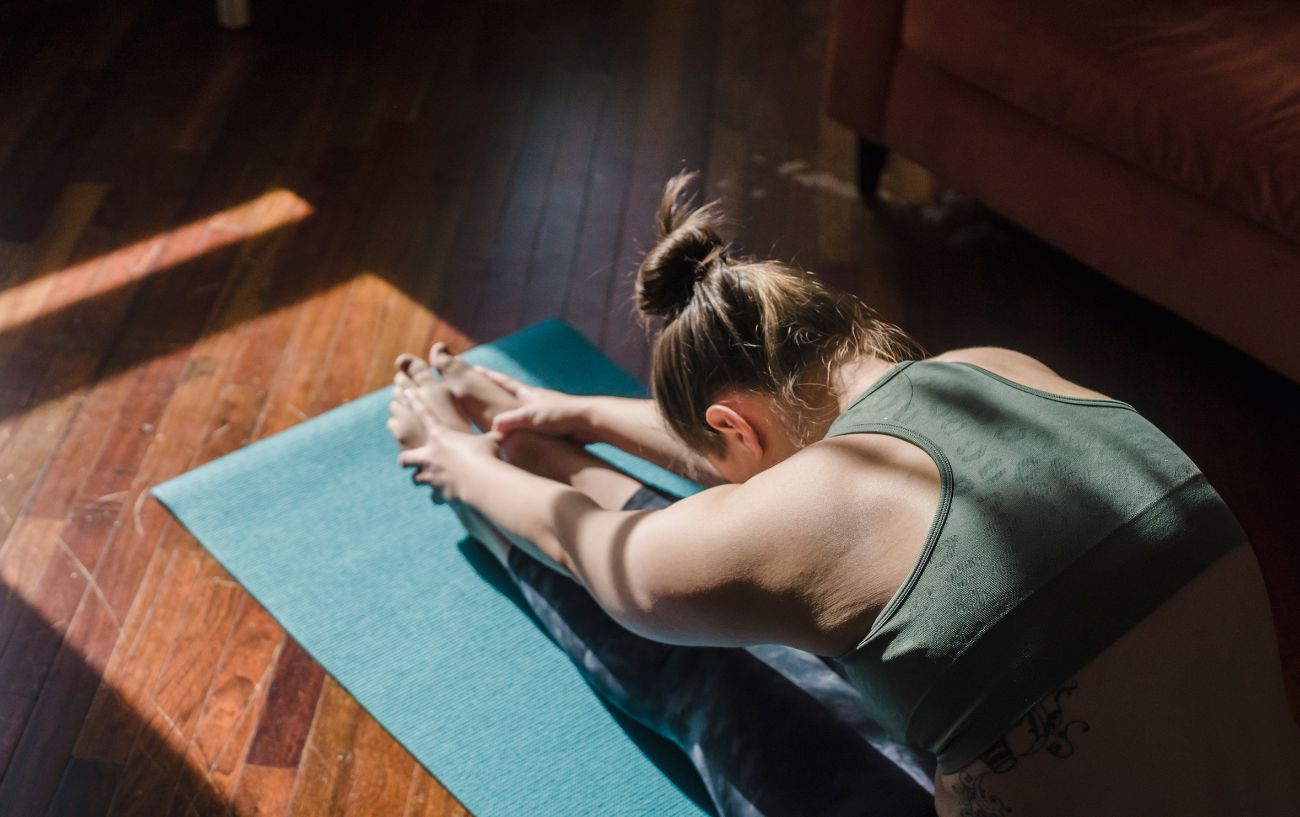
<point>1158,142</point>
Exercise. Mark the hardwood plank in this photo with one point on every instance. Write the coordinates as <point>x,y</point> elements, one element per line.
<point>264,791</point>
<point>77,318</point>
<point>47,742</point>
<point>290,706</point>
<point>27,79</point>
<point>35,434</point>
<point>38,632</point>
<point>63,232</point>
<point>291,393</point>
<point>545,286</point>
<point>37,169</point>
<point>428,798</point>
<point>26,555</point>
<point>595,265</point>
<point>188,671</point>
<point>59,486</point>
<point>111,724</point>
<point>348,363</point>
<point>85,788</point>
<point>382,776</point>
<point>517,231</point>
<point>327,770</point>
<point>347,369</point>
<point>654,160</point>
<point>202,122</point>
<point>250,654</point>
<point>231,708</point>
<point>793,207</point>
<point>30,373</point>
<point>109,28</point>
<point>222,777</point>
<point>472,248</point>
<point>150,775</point>
<point>15,708</point>
<point>39,616</point>
<point>144,740</point>
<point>128,439</point>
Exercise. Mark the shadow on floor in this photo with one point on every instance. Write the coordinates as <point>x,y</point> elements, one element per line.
<point>124,766</point>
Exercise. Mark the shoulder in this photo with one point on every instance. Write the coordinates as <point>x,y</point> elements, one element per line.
<point>1019,368</point>
<point>994,358</point>
<point>740,528</point>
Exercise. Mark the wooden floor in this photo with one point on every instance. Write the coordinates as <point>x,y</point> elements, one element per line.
<point>207,237</point>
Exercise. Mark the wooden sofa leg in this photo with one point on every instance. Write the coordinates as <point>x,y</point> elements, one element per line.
<point>871,161</point>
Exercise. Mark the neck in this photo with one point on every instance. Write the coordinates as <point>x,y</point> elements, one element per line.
<point>847,382</point>
<point>854,377</point>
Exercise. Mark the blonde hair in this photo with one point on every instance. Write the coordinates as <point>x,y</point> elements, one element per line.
<point>732,323</point>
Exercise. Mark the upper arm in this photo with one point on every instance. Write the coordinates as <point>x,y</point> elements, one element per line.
<point>678,575</point>
<point>712,568</point>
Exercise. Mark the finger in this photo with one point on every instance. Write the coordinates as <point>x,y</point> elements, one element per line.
<point>511,420</point>
<point>417,457</point>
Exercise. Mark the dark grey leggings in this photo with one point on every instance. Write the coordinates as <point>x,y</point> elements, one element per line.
<point>771,730</point>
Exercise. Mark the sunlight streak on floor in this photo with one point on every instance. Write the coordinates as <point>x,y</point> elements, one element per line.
<point>60,289</point>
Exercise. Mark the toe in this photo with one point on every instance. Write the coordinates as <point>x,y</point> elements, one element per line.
<point>415,369</point>
<point>444,361</point>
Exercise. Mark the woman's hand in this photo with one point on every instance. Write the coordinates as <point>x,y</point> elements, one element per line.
<point>447,457</point>
<point>544,410</point>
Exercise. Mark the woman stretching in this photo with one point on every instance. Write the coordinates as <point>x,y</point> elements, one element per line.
<point>1018,576</point>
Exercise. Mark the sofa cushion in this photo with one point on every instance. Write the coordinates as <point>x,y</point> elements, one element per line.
<point>1202,94</point>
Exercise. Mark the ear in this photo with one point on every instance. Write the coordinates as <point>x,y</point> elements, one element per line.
<point>734,427</point>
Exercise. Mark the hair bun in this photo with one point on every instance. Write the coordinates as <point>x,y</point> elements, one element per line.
<point>688,247</point>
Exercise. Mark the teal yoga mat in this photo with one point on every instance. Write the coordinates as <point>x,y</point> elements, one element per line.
<point>384,589</point>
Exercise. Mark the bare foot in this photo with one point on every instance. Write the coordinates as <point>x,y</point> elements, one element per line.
<point>479,396</point>
<point>403,424</point>
<point>415,379</point>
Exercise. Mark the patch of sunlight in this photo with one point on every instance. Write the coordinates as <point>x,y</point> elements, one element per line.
<point>97,276</point>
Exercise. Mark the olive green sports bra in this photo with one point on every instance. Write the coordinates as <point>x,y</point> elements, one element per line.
<point>1062,523</point>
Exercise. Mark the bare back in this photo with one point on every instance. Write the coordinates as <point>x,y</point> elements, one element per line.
<point>1184,715</point>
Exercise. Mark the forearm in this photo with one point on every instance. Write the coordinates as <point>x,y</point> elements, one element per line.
<point>637,427</point>
<point>524,508</point>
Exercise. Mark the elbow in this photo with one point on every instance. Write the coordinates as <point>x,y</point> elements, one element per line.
<point>656,616</point>
<point>628,604</point>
